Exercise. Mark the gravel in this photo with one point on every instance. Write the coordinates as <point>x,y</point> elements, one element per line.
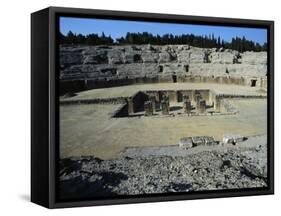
<point>91,177</point>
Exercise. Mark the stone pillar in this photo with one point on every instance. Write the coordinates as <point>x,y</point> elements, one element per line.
<point>185,98</point>
<point>217,104</point>
<point>165,98</point>
<point>193,99</point>
<point>158,97</point>
<point>165,107</point>
<point>172,96</point>
<point>197,101</point>
<point>130,106</point>
<point>153,101</point>
<point>187,106</point>
<point>202,106</point>
<point>212,97</point>
<point>148,108</point>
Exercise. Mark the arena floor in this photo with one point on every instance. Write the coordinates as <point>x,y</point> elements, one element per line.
<point>89,130</point>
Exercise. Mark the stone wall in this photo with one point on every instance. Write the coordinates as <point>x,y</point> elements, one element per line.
<point>89,67</point>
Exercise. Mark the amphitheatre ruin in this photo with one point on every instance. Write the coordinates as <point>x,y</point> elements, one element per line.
<point>137,103</point>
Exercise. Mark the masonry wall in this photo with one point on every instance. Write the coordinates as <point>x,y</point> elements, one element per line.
<point>88,67</point>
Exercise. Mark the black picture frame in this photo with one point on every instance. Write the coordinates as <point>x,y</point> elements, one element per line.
<point>45,107</point>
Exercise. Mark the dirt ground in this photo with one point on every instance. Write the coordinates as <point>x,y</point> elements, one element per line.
<point>89,130</point>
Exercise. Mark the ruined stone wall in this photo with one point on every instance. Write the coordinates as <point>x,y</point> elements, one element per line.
<point>102,66</point>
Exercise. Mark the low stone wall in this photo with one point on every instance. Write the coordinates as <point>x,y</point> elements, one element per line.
<point>240,96</point>
<point>116,100</point>
<point>81,85</point>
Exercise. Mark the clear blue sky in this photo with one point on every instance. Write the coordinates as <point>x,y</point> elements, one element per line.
<point>118,28</point>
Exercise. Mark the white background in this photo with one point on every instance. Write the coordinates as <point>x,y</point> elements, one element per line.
<point>15,106</point>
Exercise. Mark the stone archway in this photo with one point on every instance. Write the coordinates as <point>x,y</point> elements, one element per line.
<point>253,83</point>
<point>174,77</point>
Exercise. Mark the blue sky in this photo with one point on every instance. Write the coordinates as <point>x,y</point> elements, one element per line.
<point>118,28</point>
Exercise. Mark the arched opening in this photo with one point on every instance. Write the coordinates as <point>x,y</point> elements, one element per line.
<point>174,77</point>
<point>253,83</point>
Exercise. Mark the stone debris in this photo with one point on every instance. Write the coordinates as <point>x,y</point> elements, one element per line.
<point>186,143</point>
<point>189,142</point>
<point>88,177</point>
<point>198,140</point>
<point>232,139</point>
<point>209,140</point>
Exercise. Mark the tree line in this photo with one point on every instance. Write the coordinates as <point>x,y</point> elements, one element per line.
<point>207,41</point>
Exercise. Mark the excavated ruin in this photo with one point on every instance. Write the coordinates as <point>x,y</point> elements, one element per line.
<point>88,67</point>
<point>197,162</point>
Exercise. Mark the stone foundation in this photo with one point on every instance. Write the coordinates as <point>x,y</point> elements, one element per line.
<point>148,108</point>
<point>165,107</point>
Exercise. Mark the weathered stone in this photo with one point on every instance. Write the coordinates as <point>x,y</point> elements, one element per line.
<point>185,143</point>
<point>202,106</point>
<point>217,104</point>
<point>187,106</point>
<point>165,107</point>
<point>97,57</point>
<point>140,61</point>
<point>185,97</point>
<point>208,140</point>
<point>232,138</point>
<point>198,97</point>
<point>165,57</point>
<point>130,106</point>
<point>198,140</point>
<point>153,102</point>
<point>166,98</point>
<point>148,108</point>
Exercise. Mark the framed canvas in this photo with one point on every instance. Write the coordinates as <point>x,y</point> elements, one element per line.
<point>138,107</point>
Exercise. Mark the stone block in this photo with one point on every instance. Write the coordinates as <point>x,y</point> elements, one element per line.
<point>202,106</point>
<point>153,101</point>
<point>187,106</point>
<point>165,107</point>
<point>130,106</point>
<point>217,104</point>
<point>185,143</point>
<point>208,140</point>
<point>198,140</point>
<point>232,138</point>
<point>148,108</point>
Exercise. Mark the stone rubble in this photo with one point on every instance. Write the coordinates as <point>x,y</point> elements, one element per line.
<point>89,177</point>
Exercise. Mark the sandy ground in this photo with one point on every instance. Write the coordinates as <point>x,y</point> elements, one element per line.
<point>88,129</point>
